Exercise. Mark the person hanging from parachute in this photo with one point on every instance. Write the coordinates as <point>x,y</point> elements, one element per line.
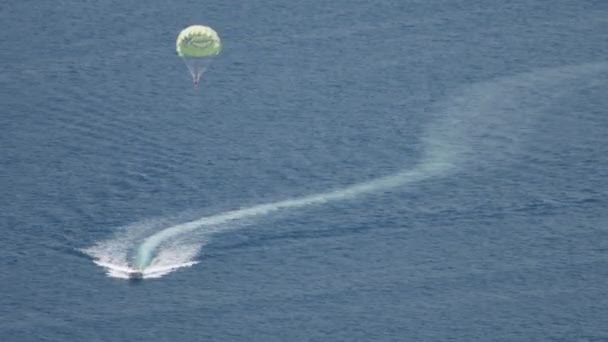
<point>197,45</point>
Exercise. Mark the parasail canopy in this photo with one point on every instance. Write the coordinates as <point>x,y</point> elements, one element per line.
<point>198,41</point>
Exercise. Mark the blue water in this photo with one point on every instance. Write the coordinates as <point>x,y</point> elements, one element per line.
<point>347,171</point>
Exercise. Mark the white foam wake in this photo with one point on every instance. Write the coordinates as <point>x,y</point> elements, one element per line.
<point>483,122</point>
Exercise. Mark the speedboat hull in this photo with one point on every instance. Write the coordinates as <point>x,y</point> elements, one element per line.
<point>136,275</point>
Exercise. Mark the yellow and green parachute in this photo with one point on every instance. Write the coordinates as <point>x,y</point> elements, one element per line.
<point>197,45</point>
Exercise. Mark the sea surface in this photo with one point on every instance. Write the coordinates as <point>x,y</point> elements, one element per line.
<point>415,170</point>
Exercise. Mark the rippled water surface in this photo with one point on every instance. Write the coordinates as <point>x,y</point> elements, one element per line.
<point>347,170</point>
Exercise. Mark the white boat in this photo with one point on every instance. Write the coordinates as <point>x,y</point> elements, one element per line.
<point>135,275</point>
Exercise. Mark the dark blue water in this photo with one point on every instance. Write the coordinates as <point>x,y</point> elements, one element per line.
<point>347,171</point>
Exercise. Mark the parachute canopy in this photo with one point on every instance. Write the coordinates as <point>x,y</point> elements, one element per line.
<point>198,41</point>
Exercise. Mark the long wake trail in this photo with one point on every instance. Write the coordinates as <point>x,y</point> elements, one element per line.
<point>483,121</point>
<point>146,250</point>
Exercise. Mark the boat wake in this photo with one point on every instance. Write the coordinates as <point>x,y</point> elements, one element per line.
<point>481,123</point>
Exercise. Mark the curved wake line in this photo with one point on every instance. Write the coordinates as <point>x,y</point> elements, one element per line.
<point>425,170</point>
<point>485,121</point>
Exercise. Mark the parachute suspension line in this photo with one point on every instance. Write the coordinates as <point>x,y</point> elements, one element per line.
<point>197,66</point>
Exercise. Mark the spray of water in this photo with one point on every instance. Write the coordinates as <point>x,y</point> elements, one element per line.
<point>481,123</point>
